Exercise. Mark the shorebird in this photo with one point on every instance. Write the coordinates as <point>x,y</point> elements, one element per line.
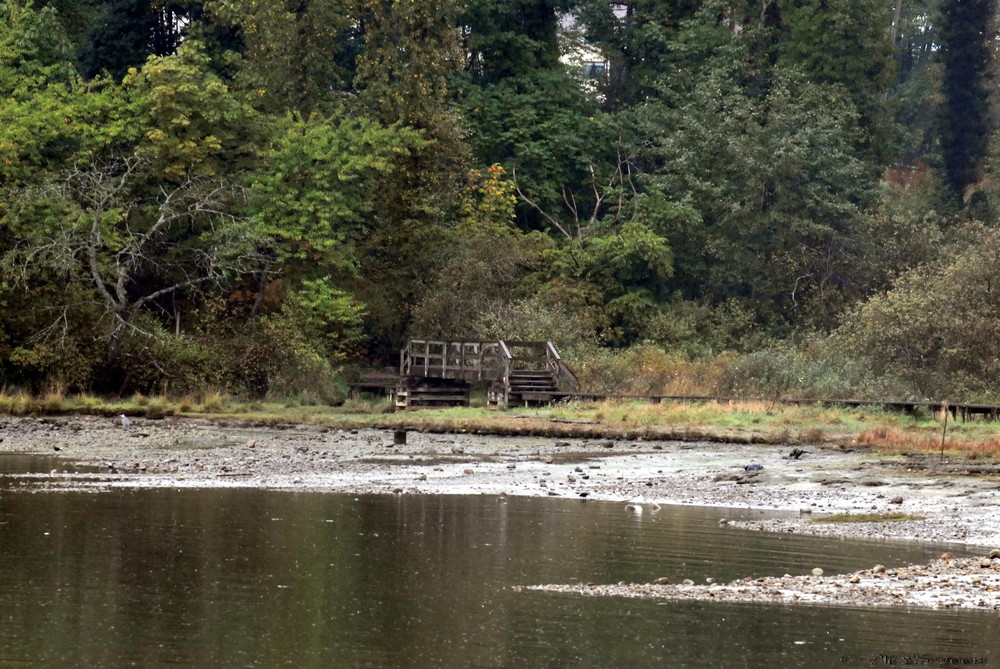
<point>126,423</point>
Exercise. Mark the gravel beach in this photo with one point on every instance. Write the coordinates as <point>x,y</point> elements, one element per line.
<point>956,501</point>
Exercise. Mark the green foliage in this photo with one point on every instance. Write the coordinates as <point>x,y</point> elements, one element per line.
<point>327,315</point>
<point>410,50</point>
<point>543,127</point>
<point>312,194</point>
<point>936,329</point>
<point>811,370</point>
<point>244,219</point>
<point>813,42</point>
<point>292,56</point>
<point>777,198</point>
<point>34,49</point>
<point>489,266</point>
<point>196,125</point>
<point>510,38</point>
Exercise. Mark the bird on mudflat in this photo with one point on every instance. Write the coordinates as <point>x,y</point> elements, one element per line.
<point>126,423</point>
<point>796,453</point>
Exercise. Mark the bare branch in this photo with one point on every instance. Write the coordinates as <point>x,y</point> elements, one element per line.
<point>534,205</point>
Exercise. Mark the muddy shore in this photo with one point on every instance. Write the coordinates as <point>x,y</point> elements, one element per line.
<point>956,501</point>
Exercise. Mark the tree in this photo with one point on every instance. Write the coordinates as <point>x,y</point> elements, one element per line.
<point>776,186</point>
<point>196,125</point>
<point>640,39</point>
<point>964,118</point>
<point>844,44</point>
<point>297,55</point>
<point>410,50</point>
<point>510,38</point>
<point>917,332</point>
<point>135,250</point>
<point>310,197</point>
<point>126,32</point>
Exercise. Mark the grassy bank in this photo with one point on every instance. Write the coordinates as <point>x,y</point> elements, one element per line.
<point>733,422</point>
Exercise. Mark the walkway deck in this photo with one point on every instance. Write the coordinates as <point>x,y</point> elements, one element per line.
<point>439,372</point>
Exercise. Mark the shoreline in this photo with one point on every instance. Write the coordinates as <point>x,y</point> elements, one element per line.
<point>953,505</point>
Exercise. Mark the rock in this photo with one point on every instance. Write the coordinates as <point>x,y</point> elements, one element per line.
<point>855,579</point>
<point>817,571</point>
<point>687,581</point>
<point>251,443</point>
<point>422,477</point>
<point>608,444</point>
<point>995,553</point>
<point>896,500</point>
<point>397,491</point>
<point>584,494</point>
<point>879,569</point>
<point>468,472</point>
<point>663,580</point>
<point>753,467</point>
<point>945,556</point>
<point>986,562</point>
<point>562,444</point>
<point>571,478</point>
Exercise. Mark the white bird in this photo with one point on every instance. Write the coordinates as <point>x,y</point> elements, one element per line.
<point>126,423</point>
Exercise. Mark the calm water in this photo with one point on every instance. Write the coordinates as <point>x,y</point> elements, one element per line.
<point>251,578</point>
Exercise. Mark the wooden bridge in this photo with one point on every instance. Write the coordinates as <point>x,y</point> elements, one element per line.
<point>435,372</point>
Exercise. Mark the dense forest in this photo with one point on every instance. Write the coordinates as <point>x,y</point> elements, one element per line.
<point>788,196</point>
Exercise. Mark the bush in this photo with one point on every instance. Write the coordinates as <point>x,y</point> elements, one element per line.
<point>936,330</point>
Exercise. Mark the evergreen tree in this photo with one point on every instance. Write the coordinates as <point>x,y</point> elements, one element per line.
<point>964,117</point>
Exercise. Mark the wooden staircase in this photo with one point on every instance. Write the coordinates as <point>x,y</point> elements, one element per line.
<point>531,387</point>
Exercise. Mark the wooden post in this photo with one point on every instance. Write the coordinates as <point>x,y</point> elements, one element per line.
<point>944,430</point>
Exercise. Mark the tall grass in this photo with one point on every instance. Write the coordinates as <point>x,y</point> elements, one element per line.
<point>649,370</point>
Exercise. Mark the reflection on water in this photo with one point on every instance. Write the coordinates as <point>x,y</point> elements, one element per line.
<point>251,578</point>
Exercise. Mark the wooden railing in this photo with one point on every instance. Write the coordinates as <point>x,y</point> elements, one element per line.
<point>444,359</point>
<point>483,360</point>
<point>564,376</point>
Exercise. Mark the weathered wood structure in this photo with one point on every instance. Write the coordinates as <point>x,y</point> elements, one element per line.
<point>435,372</point>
